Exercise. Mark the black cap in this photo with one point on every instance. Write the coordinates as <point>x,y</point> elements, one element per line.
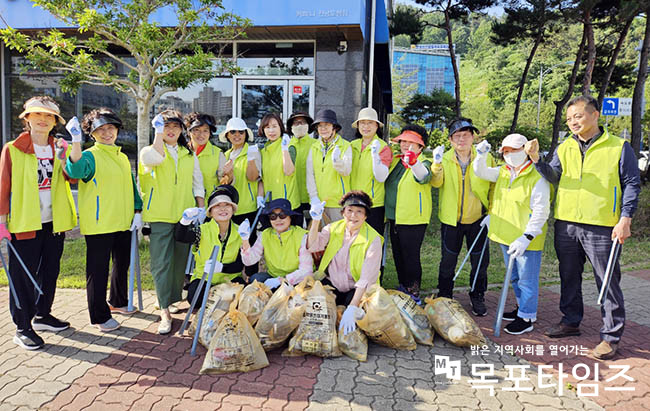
<point>227,190</point>
<point>461,124</point>
<point>325,116</point>
<point>297,114</point>
<point>357,200</point>
<point>103,119</point>
<point>281,203</point>
<point>204,119</point>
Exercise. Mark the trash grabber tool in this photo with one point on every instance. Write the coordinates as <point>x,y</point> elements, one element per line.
<point>480,260</point>
<point>12,289</point>
<point>504,296</point>
<point>611,263</point>
<point>22,263</point>
<point>469,252</point>
<point>196,295</point>
<point>259,211</point>
<point>134,269</point>
<point>137,272</point>
<point>213,259</point>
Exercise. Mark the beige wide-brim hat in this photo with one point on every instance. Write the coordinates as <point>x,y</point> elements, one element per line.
<point>38,106</point>
<point>235,123</point>
<point>367,113</point>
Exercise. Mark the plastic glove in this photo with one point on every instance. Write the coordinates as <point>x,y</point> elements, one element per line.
<point>285,142</point>
<point>486,221</point>
<point>314,200</point>
<point>158,123</point>
<point>273,282</point>
<point>61,148</point>
<point>336,155</point>
<point>409,158</point>
<point>190,215</point>
<point>252,151</point>
<point>483,147</point>
<point>4,233</point>
<point>218,267</point>
<point>74,129</point>
<point>438,153</point>
<point>349,319</point>
<point>136,224</point>
<point>244,230</point>
<point>518,246</point>
<point>374,149</point>
<point>260,202</point>
<point>316,210</point>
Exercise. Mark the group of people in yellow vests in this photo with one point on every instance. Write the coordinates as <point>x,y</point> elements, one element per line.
<point>325,202</point>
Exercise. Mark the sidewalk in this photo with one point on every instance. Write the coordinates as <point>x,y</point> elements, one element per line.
<point>134,368</point>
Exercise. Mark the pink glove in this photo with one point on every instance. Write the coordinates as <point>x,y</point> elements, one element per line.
<point>4,233</point>
<point>61,148</point>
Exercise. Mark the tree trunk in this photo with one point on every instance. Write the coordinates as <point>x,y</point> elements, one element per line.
<point>452,54</point>
<point>591,52</point>
<point>559,105</point>
<point>144,123</point>
<point>522,82</point>
<point>639,87</point>
<point>612,61</point>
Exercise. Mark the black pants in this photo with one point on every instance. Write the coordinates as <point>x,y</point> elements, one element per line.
<point>238,219</point>
<point>42,256</point>
<point>452,243</point>
<point>99,250</point>
<point>342,297</point>
<point>406,241</point>
<point>193,288</point>
<point>376,219</point>
<point>304,212</point>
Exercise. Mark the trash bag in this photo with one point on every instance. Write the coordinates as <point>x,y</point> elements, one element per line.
<point>383,322</point>
<point>253,299</point>
<point>316,333</point>
<point>280,317</point>
<point>234,346</point>
<point>355,344</point>
<point>219,299</point>
<point>452,322</point>
<point>414,317</point>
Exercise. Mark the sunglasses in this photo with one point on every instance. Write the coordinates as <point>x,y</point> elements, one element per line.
<point>280,215</point>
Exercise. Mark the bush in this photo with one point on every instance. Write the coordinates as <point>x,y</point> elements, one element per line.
<point>641,221</point>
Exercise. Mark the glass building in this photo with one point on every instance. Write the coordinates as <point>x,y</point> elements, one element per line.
<point>427,65</point>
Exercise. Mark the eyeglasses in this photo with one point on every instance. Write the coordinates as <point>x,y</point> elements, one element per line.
<point>280,215</point>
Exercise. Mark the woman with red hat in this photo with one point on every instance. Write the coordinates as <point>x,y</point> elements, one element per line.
<point>408,206</point>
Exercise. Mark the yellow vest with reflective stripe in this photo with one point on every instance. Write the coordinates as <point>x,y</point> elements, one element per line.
<point>273,177</point>
<point>303,145</point>
<point>247,190</point>
<point>209,164</point>
<point>330,184</point>
<point>210,238</point>
<point>362,178</point>
<point>510,209</point>
<point>413,204</point>
<point>167,188</point>
<point>589,191</point>
<point>25,209</point>
<point>358,248</point>
<point>281,253</point>
<point>106,201</point>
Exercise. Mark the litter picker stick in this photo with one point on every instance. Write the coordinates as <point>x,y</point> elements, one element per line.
<point>480,260</point>
<point>12,289</point>
<point>213,259</point>
<point>20,260</point>
<point>611,263</point>
<point>469,252</point>
<point>134,270</point>
<point>504,296</point>
<point>257,216</point>
<point>383,254</point>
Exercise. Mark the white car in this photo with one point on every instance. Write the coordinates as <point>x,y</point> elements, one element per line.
<point>644,165</point>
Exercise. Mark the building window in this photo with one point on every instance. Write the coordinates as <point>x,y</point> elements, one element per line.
<point>276,58</point>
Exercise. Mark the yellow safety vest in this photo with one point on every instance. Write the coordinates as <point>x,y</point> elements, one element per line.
<point>282,252</point>
<point>25,205</point>
<point>210,238</point>
<point>413,204</point>
<point>247,190</point>
<point>362,178</point>
<point>273,177</point>
<point>358,248</point>
<point>330,184</point>
<point>167,188</point>
<point>510,209</point>
<point>589,191</point>
<point>209,164</point>
<point>106,201</point>
<point>303,145</point>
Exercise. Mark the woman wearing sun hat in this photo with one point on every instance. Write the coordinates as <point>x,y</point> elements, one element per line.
<point>370,166</point>
<point>36,208</point>
<point>200,127</point>
<point>109,210</point>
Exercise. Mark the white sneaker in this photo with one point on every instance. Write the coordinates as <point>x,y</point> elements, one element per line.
<point>165,325</point>
<point>109,325</point>
<point>172,308</point>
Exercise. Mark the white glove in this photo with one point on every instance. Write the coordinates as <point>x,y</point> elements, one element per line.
<point>285,142</point>
<point>374,149</point>
<point>349,319</point>
<point>437,154</point>
<point>486,221</point>
<point>218,267</point>
<point>252,151</point>
<point>158,123</point>
<point>316,210</point>
<point>518,246</point>
<point>190,215</point>
<point>260,202</point>
<point>483,147</point>
<point>336,155</point>
<point>244,230</point>
<point>136,224</point>
<point>202,215</point>
<point>74,129</point>
<point>273,282</point>
<point>314,200</point>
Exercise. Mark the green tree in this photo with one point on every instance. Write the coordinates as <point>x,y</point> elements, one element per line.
<point>436,108</point>
<point>123,33</point>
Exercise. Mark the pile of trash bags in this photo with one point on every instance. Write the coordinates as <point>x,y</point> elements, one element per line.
<point>243,323</point>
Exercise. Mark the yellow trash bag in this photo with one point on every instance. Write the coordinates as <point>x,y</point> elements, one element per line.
<point>383,322</point>
<point>219,299</point>
<point>280,317</point>
<point>452,322</point>
<point>253,299</point>
<point>414,317</point>
<point>234,346</point>
<point>316,333</point>
<point>355,344</point>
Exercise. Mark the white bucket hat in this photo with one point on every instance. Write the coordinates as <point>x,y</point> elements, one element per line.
<point>367,113</point>
<point>235,123</point>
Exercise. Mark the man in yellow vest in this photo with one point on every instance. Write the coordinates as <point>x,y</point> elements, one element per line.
<point>597,194</point>
<point>462,205</point>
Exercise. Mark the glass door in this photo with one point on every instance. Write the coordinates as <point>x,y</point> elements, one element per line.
<point>302,96</point>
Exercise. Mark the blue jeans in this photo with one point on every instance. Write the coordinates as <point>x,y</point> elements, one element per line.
<point>525,281</point>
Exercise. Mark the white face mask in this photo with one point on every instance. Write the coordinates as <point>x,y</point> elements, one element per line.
<point>515,159</point>
<point>300,130</point>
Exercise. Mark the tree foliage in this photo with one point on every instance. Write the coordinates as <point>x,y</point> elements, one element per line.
<point>436,108</point>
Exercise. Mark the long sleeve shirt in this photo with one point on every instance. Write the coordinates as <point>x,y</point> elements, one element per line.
<point>339,267</point>
<point>343,166</point>
<point>305,264</point>
<point>150,158</point>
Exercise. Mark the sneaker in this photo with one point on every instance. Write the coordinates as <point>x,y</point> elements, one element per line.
<point>122,310</point>
<point>172,308</point>
<point>165,325</point>
<point>511,315</point>
<point>29,340</point>
<point>49,323</point>
<point>519,326</point>
<point>478,305</point>
<point>110,325</point>
<point>605,350</point>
